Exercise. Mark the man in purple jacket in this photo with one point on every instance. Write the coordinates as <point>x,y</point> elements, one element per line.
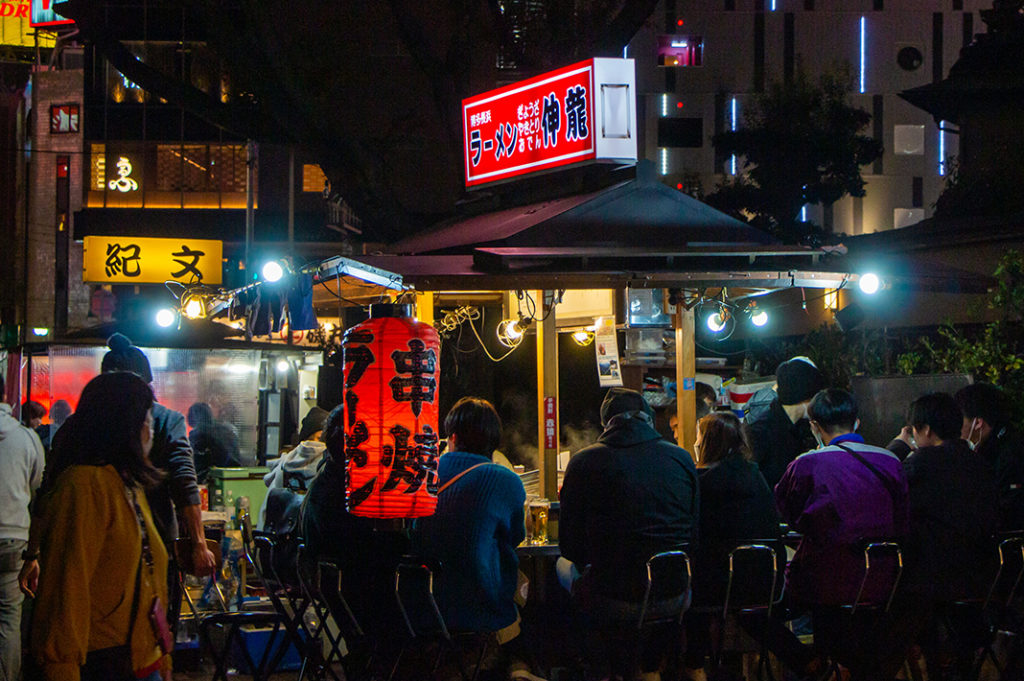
<point>835,496</point>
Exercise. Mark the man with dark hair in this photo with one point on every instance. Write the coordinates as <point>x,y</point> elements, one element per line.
<point>21,472</point>
<point>835,496</point>
<point>776,420</point>
<point>478,523</point>
<point>214,443</point>
<point>987,427</point>
<point>32,414</point>
<point>953,505</point>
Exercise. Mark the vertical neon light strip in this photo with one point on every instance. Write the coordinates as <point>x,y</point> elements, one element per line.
<point>664,105</point>
<point>773,5</point>
<point>863,50</point>
<point>803,213</point>
<point>942,150</point>
<point>625,52</point>
<point>732,107</point>
<point>664,161</point>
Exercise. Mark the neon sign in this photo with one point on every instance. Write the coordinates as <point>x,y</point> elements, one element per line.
<point>124,183</point>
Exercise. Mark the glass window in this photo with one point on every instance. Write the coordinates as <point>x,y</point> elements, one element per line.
<point>908,140</point>
<point>313,178</point>
<point>680,50</point>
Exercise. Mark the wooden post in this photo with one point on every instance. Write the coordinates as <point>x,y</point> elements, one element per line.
<point>547,396</point>
<point>425,307</point>
<point>686,369</point>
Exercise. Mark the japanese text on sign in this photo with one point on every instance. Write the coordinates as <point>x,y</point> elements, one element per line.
<point>541,123</point>
<point>144,260</point>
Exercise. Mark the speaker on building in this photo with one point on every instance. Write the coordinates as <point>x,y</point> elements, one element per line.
<point>850,317</point>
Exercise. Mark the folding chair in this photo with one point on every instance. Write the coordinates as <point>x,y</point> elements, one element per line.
<point>414,593</point>
<point>869,611</point>
<point>310,582</point>
<point>753,587</point>
<point>998,609</point>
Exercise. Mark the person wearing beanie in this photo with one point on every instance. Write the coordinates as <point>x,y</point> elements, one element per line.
<point>776,419</point>
<point>179,491</point>
<point>630,495</point>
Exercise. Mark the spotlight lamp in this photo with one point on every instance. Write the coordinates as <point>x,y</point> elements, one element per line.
<point>869,283</point>
<point>758,317</point>
<point>283,365</point>
<point>166,317</point>
<point>716,320</point>
<point>273,270</point>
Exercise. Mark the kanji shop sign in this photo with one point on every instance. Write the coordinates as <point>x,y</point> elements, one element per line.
<point>143,260</point>
<point>580,113</point>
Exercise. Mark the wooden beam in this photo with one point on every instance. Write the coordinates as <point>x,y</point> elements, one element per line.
<point>547,395</point>
<point>686,369</point>
<point>425,307</point>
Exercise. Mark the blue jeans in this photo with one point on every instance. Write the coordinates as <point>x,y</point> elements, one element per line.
<point>11,599</point>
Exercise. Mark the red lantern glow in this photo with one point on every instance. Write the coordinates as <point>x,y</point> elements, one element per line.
<point>392,368</point>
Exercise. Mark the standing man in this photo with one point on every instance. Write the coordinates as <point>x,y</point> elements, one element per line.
<point>21,472</point>
<point>171,454</point>
<point>776,421</point>
<point>987,428</point>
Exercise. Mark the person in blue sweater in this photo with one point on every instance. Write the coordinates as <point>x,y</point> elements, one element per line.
<point>477,525</point>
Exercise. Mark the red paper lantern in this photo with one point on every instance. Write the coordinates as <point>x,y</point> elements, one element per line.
<point>391,410</point>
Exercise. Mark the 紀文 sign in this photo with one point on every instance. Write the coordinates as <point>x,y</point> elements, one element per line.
<point>145,260</point>
<point>581,113</point>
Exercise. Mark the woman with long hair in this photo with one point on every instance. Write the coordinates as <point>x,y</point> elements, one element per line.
<point>100,609</point>
<point>735,506</point>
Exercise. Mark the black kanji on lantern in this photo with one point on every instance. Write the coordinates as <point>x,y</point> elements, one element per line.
<point>351,402</point>
<point>358,355</point>
<point>410,465</point>
<point>360,434</point>
<point>421,385</point>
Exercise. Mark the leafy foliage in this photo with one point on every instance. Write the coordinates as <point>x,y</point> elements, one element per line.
<point>802,144</point>
<point>993,353</point>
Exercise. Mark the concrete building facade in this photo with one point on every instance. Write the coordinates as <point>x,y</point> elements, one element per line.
<point>701,63</point>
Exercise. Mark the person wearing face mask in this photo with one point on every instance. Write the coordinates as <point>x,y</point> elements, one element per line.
<point>987,428</point>
<point>953,507</point>
<point>949,553</point>
<point>776,420</point>
<point>835,496</point>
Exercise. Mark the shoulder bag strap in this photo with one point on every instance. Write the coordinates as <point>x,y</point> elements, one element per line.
<point>134,611</point>
<point>886,482</point>
<point>450,482</point>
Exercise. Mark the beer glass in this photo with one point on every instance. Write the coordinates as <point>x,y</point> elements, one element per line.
<point>539,520</point>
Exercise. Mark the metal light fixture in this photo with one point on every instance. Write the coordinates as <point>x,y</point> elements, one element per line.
<point>193,306</point>
<point>583,337</point>
<point>510,332</point>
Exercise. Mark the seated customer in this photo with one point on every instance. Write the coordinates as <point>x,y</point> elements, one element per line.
<point>478,523</point>
<point>953,505</point>
<point>735,506</point>
<point>988,428</point>
<point>366,552</point>
<point>214,443</point>
<point>627,497</point>
<point>835,496</point>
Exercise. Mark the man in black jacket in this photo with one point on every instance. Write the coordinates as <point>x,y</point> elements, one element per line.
<point>987,428</point>
<point>776,421</point>
<point>625,498</point>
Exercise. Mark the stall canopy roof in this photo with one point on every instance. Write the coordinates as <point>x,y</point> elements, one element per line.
<point>635,230</point>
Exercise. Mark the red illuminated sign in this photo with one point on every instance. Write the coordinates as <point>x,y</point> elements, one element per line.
<point>538,124</point>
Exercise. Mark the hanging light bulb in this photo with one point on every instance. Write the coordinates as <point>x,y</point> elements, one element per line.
<point>193,306</point>
<point>869,283</point>
<point>759,318</point>
<point>583,337</point>
<point>510,332</point>
<point>716,321</point>
<point>165,317</point>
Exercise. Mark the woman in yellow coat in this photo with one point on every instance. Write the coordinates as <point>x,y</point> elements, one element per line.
<point>99,613</point>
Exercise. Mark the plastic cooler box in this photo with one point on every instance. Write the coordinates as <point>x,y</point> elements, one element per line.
<point>740,394</point>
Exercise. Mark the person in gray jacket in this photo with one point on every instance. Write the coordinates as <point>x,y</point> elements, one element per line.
<point>21,472</point>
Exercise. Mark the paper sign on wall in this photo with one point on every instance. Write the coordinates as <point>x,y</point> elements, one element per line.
<point>606,347</point>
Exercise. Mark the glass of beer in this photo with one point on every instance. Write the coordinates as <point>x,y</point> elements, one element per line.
<point>539,520</point>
